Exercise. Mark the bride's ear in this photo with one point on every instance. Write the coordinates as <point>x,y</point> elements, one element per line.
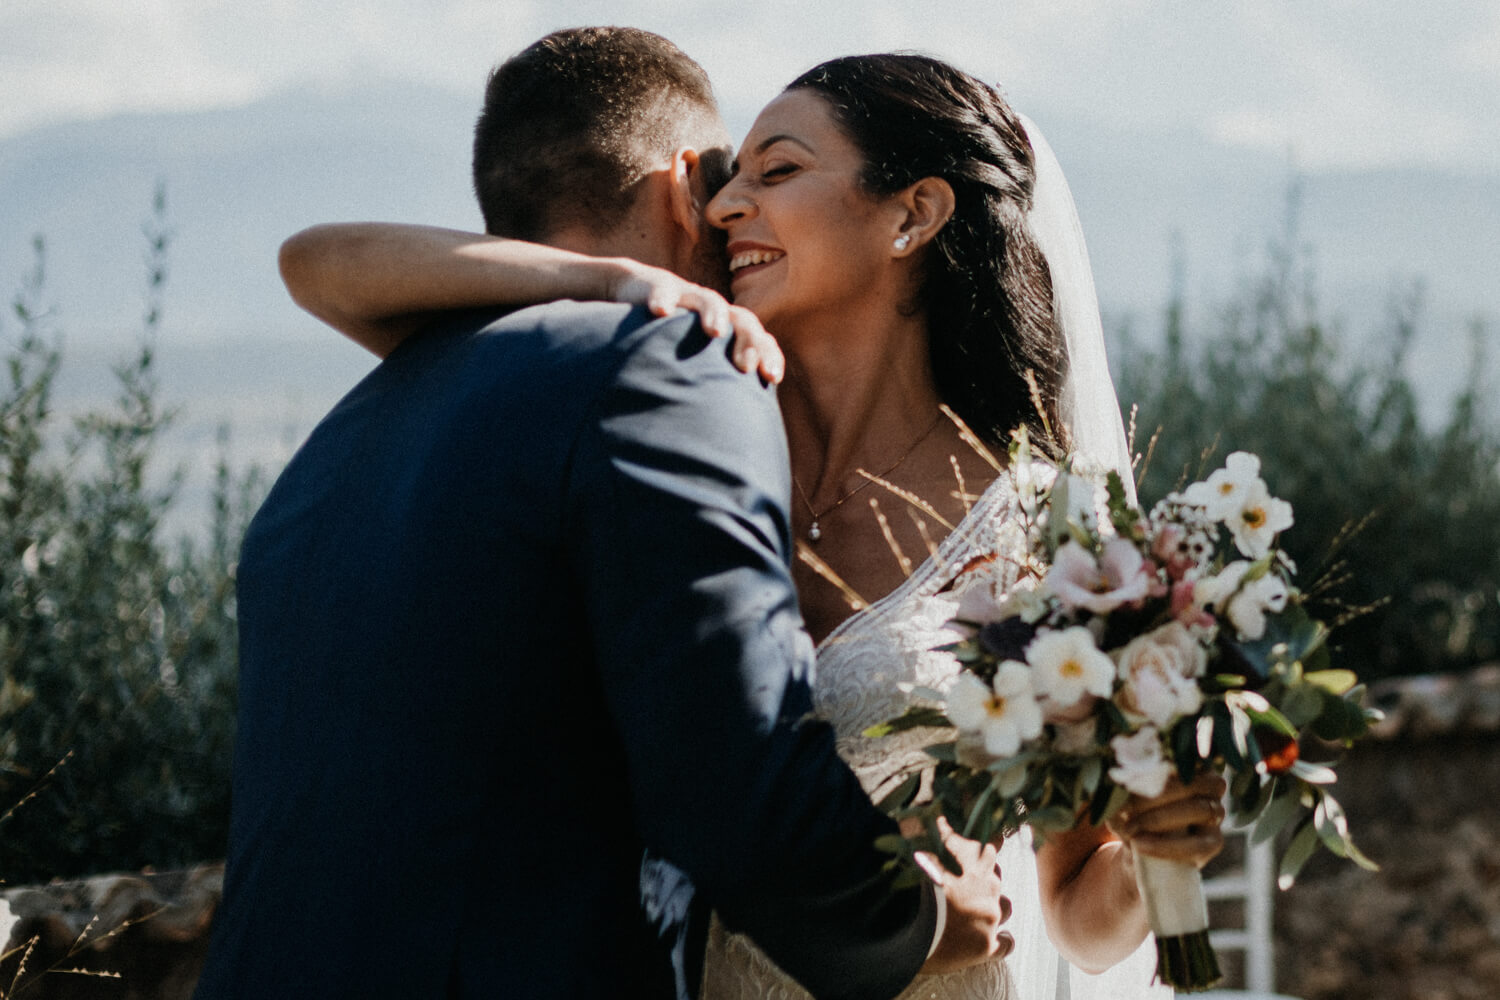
<point>927,206</point>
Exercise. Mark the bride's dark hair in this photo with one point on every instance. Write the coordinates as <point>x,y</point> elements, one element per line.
<point>985,291</point>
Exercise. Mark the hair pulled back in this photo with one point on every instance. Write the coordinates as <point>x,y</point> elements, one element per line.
<point>572,122</point>
<point>985,288</point>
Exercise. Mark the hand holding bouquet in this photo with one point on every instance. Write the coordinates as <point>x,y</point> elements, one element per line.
<point>1148,645</point>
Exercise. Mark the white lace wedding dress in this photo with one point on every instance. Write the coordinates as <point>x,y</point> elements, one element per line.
<point>860,670</point>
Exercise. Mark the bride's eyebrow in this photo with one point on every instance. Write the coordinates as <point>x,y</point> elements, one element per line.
<point>765,144</point>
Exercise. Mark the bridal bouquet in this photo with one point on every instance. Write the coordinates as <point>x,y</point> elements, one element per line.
<point>1153,644</point>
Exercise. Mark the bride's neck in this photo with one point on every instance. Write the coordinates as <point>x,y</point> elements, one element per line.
<point>855,401</point>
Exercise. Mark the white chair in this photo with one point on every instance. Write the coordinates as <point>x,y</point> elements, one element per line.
<point>1252,885</point>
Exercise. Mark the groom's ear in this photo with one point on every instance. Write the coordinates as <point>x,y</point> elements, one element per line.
<point>687,191</point>
<point>927,205</point>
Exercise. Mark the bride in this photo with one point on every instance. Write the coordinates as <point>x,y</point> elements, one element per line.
<point>913,246</point>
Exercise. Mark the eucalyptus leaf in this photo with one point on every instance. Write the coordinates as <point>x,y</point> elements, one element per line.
<point>1184,738</point>
<point>1057,504</point>
<point>1109,799</point>
<point>1281,810</point>
<point>1290,636</point>
<point>1089,775</point>
<point>1302,704</point>
<point>940,849</point>
<point>1224,743</point>
<point>1052,819</point>
<point>978,813</point>
<point>1010,782</point>
<point>945,752</point>
<point>1332,681</point>
<point>1316,774</point>
<point>1205,734</point>
<point>1262,713</point>
<point>900,797</point>
<point>1333,828</point>
<point>916,717</point>
<point>1341,720</point>
<point>1304,844</point>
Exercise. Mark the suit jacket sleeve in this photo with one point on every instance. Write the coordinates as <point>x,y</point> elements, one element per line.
<point>678,504</point>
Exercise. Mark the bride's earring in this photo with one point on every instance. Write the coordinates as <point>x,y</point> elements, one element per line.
<point>903,241</point>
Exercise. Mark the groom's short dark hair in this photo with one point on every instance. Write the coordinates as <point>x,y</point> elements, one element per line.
<point>573,122</point>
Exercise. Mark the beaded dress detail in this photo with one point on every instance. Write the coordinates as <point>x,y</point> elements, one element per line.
<point>862,667</point>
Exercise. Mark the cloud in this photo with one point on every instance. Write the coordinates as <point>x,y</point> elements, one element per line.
<point>1344,82</point>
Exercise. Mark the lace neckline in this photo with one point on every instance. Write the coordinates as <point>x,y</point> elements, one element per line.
<point>937,565</point>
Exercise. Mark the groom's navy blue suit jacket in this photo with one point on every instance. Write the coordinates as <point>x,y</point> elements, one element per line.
<point>518,612</point>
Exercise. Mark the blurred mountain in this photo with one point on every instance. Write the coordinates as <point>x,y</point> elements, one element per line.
<point>240,180</point>
<point>1162,211</point>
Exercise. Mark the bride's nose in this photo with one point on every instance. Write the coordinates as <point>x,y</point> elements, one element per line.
<point>730,205</point>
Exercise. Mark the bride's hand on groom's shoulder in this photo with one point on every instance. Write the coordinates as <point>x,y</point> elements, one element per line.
<point>1183,823</point>
<point>977,909</point>
<point>661,291</point>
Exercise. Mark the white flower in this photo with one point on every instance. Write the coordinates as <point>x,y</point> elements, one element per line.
<point>1244,604</point>
<point>1140,765</point>
<point>1082,507</point>
<point>1257,520</point>
<point>1004,713</point>
<point>1024,602</point>
<point>1119,576</point>
<point>1160,670</point>
<point>1066,665</point>
<point>1224,492</point>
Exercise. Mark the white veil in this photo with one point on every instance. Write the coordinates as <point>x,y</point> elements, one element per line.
<point>1092,412</point>
<point>1089,405</point>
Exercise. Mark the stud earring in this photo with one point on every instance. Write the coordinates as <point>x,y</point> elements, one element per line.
<point>903,241</point>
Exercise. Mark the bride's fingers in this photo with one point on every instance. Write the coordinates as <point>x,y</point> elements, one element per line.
<point>711,307</point>
<point>752,341</point>
<point>1196,849</point>
<point>1189,814</point>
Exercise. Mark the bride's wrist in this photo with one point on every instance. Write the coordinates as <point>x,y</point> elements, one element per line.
<point>609,278</point>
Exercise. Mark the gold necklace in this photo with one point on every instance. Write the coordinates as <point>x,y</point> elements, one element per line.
<point>813,531</point>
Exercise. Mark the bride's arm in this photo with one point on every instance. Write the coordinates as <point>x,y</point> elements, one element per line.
<point>1093,911</point>
<point>377,283</point>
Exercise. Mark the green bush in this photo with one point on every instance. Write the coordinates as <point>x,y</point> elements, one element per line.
<point>117,647</point>
<point>1398,526</point>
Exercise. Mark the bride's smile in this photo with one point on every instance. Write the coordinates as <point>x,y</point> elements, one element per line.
<point>805,238</point>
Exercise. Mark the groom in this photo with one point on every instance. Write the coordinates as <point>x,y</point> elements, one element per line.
<point>519,611</point>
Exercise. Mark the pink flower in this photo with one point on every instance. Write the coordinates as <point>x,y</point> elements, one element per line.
<point>1160,671</point>
<point>1172,549</point>
<point>1119,576</point>
<point>1187,610</point>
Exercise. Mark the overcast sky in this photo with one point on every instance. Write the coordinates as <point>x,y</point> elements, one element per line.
<point>1334,83</point>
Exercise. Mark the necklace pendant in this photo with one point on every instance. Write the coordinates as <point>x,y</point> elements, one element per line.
<point>814,532</point>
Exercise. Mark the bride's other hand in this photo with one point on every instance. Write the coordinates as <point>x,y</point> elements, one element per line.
<point>976,908</point>
<point>662,291</point>
<point>1183,823</point>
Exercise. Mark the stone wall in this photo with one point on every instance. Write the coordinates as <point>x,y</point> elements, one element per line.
<point>1424,802</point>
<point>115,937</point>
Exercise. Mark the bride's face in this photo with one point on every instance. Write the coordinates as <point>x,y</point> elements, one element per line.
<point>804,237</point>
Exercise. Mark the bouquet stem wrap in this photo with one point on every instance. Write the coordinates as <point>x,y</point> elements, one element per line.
<point>1178,914</point>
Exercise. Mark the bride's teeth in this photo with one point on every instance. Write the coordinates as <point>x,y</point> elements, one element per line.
<point>752,257</point>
